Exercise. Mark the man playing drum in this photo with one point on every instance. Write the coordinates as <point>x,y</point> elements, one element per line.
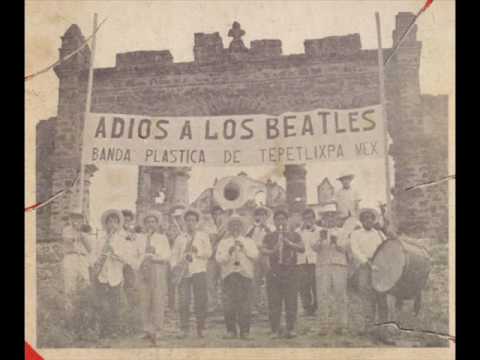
<point>363,243</point>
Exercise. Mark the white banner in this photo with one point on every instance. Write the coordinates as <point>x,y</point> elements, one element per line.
<point>236,140</point>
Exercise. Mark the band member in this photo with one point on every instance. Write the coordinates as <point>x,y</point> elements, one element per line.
<point>189,259</point>
<point>309,233</point>
<point>108,271</point>
<point>237,254</point>
<point>76,247</point>
<point>332,273</point>
<point>282,247</point>
<point>213,268</point>
<point>132,246</point>
<point>174,228</point>
<point>257,232</point>
<point>347,198</point>
<point>153,275</point>
<point>364,242</point>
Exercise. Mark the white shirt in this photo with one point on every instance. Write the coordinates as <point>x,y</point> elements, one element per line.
<point>364,243</point>
<point>309,237</point>
<point>204,250</point>
<point>112,270</point>
<point>346,200</point>
<point>245,257</point>
<point>159,242</point>
<point>257,233</point>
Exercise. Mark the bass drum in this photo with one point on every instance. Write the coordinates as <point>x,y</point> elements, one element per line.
<point>403,269</point>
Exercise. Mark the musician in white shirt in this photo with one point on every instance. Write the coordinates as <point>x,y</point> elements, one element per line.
<point>76,248</point>
<point>193,249</point>
<point>364,242</point>
<point>257,232</point>
<point>152,275</point>
<point>129,276</point>
<point>332,273</point>
<point>309,233</point>
<point>347,198</point>
<point>236,255</point>
<point>108,271</point>
<point>213,268</point>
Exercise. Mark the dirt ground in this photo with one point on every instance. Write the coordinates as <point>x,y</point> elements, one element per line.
<point>432,320</point>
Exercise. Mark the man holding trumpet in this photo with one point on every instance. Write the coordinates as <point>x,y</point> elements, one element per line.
<point>108,271</point>
<point>282,246</point>
<point>236,255</point>
<point>331,272</point>
<point>189,264</point>
<point>154,256</point>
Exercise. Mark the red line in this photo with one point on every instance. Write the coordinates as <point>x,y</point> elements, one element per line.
<point>32,207</point>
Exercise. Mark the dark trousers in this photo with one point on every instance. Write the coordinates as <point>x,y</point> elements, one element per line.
<point>171,290</point>
<point>109,307</point>
<point>308,287</point>
<point>372,300</point>
<point>237,293</point>
<point>129,286</point>
<point>197,283</point>
<point>282,288</point>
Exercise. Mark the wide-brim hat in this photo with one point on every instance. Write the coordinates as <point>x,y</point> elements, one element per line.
<point>236,219</point>
<point>265,209</point>
<point>177,210</point>
<point>345,176</point>
<point>372,211</point>
<point>109,212</point>
<point>152,213</point>
<point>192,211</point>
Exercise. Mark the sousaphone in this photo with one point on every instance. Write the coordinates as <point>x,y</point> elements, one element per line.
<point>232,192</point>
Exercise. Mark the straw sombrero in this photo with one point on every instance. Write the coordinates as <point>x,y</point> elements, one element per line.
<point>177,210</point>
<point>152,213</point>
<point>107,214</point>
<point>345,175</point>
<point>267,210</point>
<point>236,219</point>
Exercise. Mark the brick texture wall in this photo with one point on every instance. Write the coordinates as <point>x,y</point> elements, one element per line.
<point>333,72</point>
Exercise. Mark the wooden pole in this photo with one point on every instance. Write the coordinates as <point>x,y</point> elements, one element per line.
<point>87,110</point>
<point>381,78</point>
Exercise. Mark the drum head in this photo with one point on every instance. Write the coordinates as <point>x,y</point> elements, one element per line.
<point>390,260</point>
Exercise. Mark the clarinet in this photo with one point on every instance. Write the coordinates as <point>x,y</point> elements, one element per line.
<point>281,244</point>
<point>103,256</point>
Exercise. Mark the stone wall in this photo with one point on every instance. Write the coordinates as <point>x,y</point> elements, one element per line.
<point>333,72</point>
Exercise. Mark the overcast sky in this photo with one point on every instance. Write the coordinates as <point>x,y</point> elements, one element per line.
<point>157,25</point>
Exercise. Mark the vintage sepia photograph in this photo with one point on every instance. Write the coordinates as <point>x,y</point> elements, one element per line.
<point>232,175</point>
